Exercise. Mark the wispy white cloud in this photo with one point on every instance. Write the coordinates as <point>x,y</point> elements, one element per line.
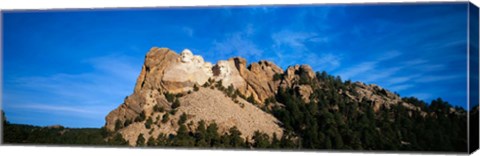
<point>291,39</point>
<point>414,62</point>
<point>237,44</point>
<point>361,68</point>
<point>294,47</point>
<point>431,67</point>
<point>435,46</point>
<point>296,39</point>
<point>189,31</point>
<point>389,55</point>
<point>422,95</point>
<point>120,66</point>
<point>60,84</point>
<point>63,109</point>
<point>381,74</point>
<point>433,78</point>
<point>250,30</point>
<point>369,70</point>
<point>110,76</point>
<point>88,94</point>
<point>323,61</point>
<point>401,87</point>
<point>402,79</point>
<point>263,9</point>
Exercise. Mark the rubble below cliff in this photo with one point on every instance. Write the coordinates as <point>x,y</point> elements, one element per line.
<point>232,95</point>
<point>167,73</point>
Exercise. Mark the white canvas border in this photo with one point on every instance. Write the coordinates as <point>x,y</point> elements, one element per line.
<point>87,4</point>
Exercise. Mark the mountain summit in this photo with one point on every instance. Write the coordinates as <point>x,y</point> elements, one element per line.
<point>180,93</point>
<point>180,100</point>
<point>169,86</point>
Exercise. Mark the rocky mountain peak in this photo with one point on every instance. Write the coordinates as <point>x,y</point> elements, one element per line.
<point>186,84</point>
<point>295,73</point>
<point>178,73</point>
<point>192,82</point>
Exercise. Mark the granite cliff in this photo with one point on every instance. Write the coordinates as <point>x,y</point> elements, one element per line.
<point>229,93</point>
<point>167,73</point>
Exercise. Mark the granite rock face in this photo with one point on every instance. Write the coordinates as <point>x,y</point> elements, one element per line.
<point>258,78</point>
<point>379,97</point>
<point>166,72</point>
<point>195,85</point>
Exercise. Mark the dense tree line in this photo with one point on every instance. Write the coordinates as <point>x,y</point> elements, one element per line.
<point>329,121</point>
<point>208,136</point>
<point>204,136</point>
<point>28,134</point>
<point>474,128</point>
<point>57,135</point>
<point>334,121</point>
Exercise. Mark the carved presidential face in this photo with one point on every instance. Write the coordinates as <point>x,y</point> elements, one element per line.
<point>207,67</point>
<point>186,56</point>
<point>224,68</point>
<point>197,59</point>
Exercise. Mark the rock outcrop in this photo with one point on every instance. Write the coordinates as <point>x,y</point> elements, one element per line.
<point>258,78</point>
<point>295,74</point>
<point>206,104</point>
<point>379,97</point>
<point>296,77</point>
<point>166,72</point>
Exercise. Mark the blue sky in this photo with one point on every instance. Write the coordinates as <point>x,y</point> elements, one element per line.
<point>72,67</point>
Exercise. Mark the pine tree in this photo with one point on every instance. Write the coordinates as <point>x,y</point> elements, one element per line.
<point>251,99</point>
<point>195,87</point>
<point>234,138</point>
<point>117,140</point>
<point>183,119</point>
<point>261,140</point>
<point>118,125</point>
<point>212,136</point>
<point>275,142</point>
<point>200,135</point>
<point>165,118</point>
<point>183,138</point>
<point>169,97</point>
<point>140,140</point>
<point>148,123</point>
<point>151,142</point>
<point>176,104</point>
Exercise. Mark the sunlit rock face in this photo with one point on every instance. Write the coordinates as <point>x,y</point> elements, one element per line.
<point>258,77</point>
<point>190,70</point>
<point>186,56</point>
<point>198,60</point>
<point>207,67</point>
<point>226,72</point>
<point>166,71</point>
<point>224,69</point>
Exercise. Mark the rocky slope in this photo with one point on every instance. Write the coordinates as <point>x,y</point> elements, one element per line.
<point>300,76</point>
<point>166,74</point>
